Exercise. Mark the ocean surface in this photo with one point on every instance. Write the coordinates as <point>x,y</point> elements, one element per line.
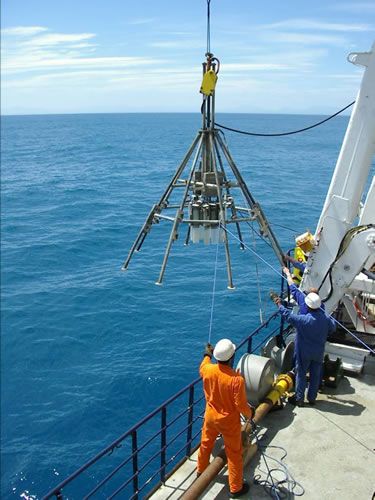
<point>87,350</point>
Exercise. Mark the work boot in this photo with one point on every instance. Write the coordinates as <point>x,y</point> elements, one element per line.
<point>296,402</point>
<point>312,402</point>
<point>237,494</point>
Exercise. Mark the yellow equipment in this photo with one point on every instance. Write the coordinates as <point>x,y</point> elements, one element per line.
<point>208,82</point>
<point>297,273</point>
<point>305,241</point>
<point>304,244</point>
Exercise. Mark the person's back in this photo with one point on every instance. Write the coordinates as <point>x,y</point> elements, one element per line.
<point>223,389</point>
<point>225,395</point>
<point>313,329</point>
<point>312,332</point>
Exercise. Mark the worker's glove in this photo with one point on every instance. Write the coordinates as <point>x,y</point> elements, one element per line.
<point>209,350</point>
<point>276,299</point>
<point>286,271</point>
<point>253,425</point>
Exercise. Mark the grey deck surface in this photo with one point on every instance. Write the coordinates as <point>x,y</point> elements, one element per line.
<point>331,448</point>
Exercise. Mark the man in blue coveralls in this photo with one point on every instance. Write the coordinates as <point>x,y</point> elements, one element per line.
<point>297,294</point>
<point>312,332</point>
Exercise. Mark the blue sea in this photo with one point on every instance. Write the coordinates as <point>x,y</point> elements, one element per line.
<point>86,349</point>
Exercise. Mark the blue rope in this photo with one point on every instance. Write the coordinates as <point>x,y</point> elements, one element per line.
<point>283,277</point>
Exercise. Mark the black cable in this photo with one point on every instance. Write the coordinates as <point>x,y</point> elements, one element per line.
<point>285,133</point>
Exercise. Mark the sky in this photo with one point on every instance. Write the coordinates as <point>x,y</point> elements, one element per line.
<point>90,56</point>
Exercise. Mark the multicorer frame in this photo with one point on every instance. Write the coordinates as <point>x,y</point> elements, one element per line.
<point>207,175</point>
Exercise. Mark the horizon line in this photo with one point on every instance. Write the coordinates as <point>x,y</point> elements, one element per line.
<point>165,113</point>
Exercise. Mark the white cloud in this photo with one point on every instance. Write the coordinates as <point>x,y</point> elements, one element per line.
<point>60,51</point>
<point>27,64</point>
<point>306,39</point>
<point>23,30</point>
<point>185,44</point>
<point>146,20</point>
<point>343,76</point>
<point>99,75</point>
<point>355,7</point>
<point>310,24</point>
<point>58,38</point>
<point>253,67</point>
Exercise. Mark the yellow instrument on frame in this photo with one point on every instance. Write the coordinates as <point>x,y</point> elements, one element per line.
<point>208,82</point>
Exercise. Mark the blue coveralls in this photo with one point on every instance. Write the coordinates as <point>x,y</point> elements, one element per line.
<point>312,331</point>
<point>299,297</point>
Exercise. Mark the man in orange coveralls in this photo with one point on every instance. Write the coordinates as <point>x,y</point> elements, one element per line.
<point>225,394</point>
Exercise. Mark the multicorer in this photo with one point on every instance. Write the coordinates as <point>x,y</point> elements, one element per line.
<point>207,177</point>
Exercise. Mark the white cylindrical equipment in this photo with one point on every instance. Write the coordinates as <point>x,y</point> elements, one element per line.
<point>259,374</point>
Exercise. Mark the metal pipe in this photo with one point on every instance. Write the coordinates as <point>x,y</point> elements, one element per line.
<point>261,218</point>
<point>222,213</point>
<point>283,383</point>
<point>180,213</point>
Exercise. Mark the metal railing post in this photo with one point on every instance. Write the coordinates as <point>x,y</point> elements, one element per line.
<point>190,421</point>
<point>163,443</point>
<point>135,464</point>
<point>249,345</point>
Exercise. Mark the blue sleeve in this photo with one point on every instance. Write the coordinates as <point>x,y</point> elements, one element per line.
<point>297,295</point>
<point>293,319</point>
<point>299,265</point>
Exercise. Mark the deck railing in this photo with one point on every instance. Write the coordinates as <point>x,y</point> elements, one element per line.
<point>139,461</point>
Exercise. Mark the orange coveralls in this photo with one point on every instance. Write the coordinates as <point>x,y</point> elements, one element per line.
<point>225,394</point>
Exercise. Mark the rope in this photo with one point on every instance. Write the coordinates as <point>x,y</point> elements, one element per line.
<point>282,488</point>
<point>208,28</point>
<point>284,227</point>
<point>283,277</point>
<point>213,295</point>
<point>258,281</point>
<point>285,133</point>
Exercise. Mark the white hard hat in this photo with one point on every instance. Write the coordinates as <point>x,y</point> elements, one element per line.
<point>313,301</point>
<point>224,350</point>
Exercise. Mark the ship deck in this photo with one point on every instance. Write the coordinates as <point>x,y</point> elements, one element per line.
<point>330,448</point>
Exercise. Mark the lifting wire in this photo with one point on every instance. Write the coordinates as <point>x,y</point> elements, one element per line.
<point>283,277</point>
<point>208,28</point>
<point>213,296</point>
<point>285,133</point>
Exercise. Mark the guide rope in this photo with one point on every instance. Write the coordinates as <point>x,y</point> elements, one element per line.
<point>279,134</point>
<point>213,295</point>
<point>284,278</point>
<point>258,280</point>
